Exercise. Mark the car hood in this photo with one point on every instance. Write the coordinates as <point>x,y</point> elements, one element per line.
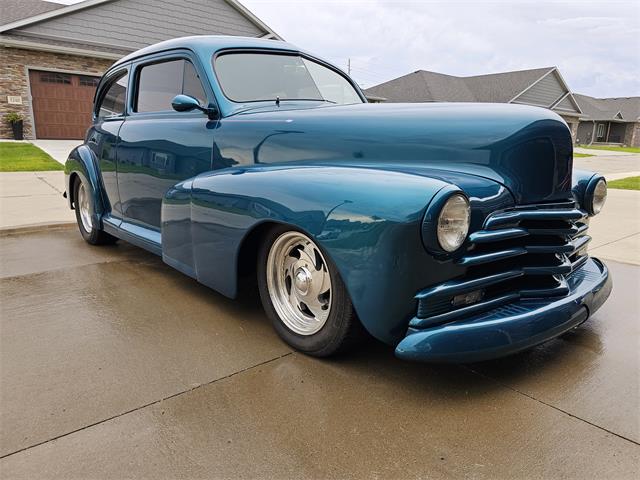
<point>526,149</point>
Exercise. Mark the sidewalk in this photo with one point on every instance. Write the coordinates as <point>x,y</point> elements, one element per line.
<point>603,153</point>
<point>33,198</point>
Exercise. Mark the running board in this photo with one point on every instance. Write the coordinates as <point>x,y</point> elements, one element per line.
<point>142,237</point>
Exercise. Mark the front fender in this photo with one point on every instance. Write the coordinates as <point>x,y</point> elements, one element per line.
<point>366,220</point>
<point>82,162</point>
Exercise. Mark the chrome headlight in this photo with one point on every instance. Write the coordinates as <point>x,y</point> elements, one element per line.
<point>596,195</point>
<point>453,222</point>
<point>599,196</point>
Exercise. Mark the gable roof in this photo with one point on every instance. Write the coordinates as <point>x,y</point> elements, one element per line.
<point>426,86</point>
<point>14,10</point>
<point>607,109</point>
<point>117,27</point>
<point>504,87</point>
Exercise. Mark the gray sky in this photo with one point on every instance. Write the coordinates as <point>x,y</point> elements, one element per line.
<point>596,44</point>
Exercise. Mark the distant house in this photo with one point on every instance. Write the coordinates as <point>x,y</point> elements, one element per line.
<point>609,120</point>
<point>52,55</point>
<point>542,87</point>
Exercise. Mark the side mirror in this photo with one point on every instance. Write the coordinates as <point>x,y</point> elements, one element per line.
<point>185,103</point>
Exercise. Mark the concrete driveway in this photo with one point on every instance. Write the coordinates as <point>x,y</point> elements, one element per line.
<point>113,365</point>
<point>58,149</point>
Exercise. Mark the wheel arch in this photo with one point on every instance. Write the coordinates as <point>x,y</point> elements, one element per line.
<point>247,253</point>
<point>71,191</point>
<point>82,165</point>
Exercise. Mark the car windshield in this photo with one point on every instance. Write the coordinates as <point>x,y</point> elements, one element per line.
<point>253,77</point>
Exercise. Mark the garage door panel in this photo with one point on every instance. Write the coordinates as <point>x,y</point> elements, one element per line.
<point>62,103</point>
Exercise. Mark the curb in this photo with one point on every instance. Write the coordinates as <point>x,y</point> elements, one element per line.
<point>36,227</point>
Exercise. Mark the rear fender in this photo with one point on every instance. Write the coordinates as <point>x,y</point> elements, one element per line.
<point>83,163</point>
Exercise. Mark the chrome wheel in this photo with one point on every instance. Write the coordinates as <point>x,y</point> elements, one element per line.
<point>299,283</point>
<point>83,206</point>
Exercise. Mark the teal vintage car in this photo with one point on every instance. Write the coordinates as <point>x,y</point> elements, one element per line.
<point>453,232</point>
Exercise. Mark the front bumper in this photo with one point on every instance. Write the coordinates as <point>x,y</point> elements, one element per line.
<point>513,327</point>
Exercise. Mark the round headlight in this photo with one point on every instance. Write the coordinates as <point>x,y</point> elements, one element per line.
<point>453,222</point>
<point>599,196</point>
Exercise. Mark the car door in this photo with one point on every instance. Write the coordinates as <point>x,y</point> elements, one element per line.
<point>158,147</point>
<point>102,137</point>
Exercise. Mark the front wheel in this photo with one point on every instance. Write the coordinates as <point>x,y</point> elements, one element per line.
<point>84,207</point>
<point>304,296</point>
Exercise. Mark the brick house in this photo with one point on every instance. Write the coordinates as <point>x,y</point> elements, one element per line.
<point>53,55</point>
<point>609,120</point>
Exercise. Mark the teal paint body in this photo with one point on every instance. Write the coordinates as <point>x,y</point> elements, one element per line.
<point>363,180</point>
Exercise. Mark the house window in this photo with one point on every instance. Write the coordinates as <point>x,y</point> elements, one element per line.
<point>52,77</point>
<point>600,130</point>
<point>88,81</point>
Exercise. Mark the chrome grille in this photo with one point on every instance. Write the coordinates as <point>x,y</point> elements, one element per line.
<point>526,252</point>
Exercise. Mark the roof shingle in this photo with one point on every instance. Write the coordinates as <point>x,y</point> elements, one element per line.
<point>607,108</point>
<point>14,10</point>
<point>426,86</point>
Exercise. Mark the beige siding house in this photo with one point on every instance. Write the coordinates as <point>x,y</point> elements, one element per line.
<point>52,54</point>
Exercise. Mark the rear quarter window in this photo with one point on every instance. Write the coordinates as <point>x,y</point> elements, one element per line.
<point>113,97</point>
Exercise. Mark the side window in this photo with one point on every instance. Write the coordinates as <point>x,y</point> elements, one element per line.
<point>113,100</point>
<point>192,85</point>
<point>158,83</point>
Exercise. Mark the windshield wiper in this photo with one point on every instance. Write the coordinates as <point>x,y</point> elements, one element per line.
<point>278,100</point>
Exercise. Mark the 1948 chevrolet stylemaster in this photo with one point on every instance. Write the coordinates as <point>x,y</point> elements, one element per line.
<point>455,232</point>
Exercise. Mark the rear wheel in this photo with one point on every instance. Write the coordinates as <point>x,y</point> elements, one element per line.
<point>84,207</point>
<point>304,296</point>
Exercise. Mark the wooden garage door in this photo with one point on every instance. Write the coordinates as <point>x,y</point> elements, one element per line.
<point>62,103</point>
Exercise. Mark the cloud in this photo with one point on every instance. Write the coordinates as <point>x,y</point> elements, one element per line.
<point>596,45</point>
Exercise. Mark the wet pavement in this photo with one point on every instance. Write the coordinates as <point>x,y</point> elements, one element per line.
<point>114,365</point>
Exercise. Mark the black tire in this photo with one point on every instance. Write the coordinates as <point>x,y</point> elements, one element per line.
<point>94,235</point>
<point>342,329</point>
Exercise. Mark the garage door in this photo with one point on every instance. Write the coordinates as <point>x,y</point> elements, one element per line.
<point>62,103</point>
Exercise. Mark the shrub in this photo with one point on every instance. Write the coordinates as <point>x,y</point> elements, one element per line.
<point>13,117</point>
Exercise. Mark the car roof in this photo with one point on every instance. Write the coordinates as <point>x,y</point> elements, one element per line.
<point>209,44</point>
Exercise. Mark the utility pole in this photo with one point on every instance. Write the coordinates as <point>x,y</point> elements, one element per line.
<point>349,66</point>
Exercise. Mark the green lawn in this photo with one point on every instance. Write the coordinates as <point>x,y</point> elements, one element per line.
<point>630,183</point>
<point>24,157</point>
<point>581,155</point>
<point>613,149</point>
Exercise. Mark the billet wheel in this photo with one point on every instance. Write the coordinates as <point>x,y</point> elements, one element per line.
<point>84,207</point>
<point>303,294</point>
